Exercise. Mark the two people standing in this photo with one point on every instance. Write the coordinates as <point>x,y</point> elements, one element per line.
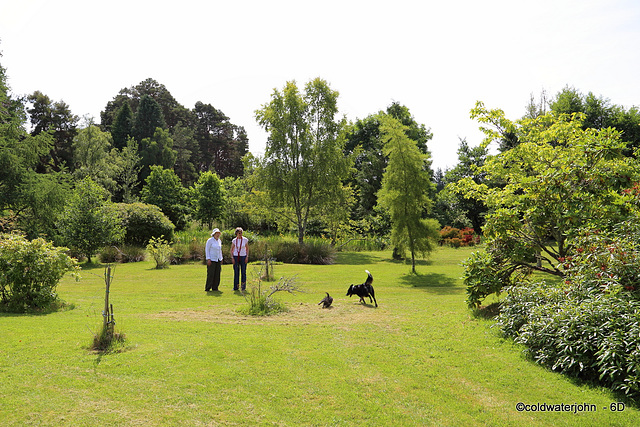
<point>239,258</point>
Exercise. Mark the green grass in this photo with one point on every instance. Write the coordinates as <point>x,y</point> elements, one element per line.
<point>420,358</point>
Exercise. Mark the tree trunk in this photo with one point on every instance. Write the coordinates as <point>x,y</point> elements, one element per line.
<point>413,262</point>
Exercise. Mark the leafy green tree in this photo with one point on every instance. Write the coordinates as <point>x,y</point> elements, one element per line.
<point>94,158</point>
<point>122,127</point>
<point>363,140</point>
<point>304,163</point>
<point>209,198</point>
<point>87,222</point>
<point>405,187</point>
<point>470,162</point>
<point>559,179</point>
<point>163,189</point>
<point>31,199</point>
<point>42,199</point>
<point>148,118</point>
<point>128,166</point>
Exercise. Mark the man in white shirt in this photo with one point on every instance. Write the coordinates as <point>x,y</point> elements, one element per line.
<point>213,254</point>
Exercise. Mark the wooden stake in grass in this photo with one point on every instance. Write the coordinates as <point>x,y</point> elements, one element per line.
<point>267,274</point>
<point>106,338</point>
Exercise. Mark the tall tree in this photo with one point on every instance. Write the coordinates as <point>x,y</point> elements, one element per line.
<point>304,163</point>
<point>172,111</point>
<point>406,185</point>
<point>122,127</point>
<point>157,150</point>
<point>363,138</point>
<point>148,118</point>
<point>222,144</point>
<point>30,198</point>
<point>57,119</point>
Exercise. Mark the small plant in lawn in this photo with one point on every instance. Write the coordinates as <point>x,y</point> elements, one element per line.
<point>262,303</point>
<point>160,250</point>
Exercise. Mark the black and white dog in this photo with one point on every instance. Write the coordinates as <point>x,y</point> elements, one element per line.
<point>364,290</point>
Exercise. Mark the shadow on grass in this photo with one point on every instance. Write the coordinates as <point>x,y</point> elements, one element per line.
<point>214,293</point>
<point>488,312</point>
<point>407,261</point>
<point>93,266</point>
<point>355,258</point>
<point>366,304</point>
<point>432,282</point>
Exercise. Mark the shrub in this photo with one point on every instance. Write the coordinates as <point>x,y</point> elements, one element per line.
<point>123,254</point>
<point>596,338</point>
<point>293,252</point>
<point>587,325</point>
<point>109,255</point>
<point>449,232</point>
<point>30,272</point>
<point>483,276</point>
<point>456,238</point>
<point>161,251</point>
<point>143,222</point>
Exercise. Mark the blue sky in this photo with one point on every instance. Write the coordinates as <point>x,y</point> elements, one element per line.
<point>437,58</point>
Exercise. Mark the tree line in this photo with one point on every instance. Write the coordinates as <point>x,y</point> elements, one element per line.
<point>320,174</point>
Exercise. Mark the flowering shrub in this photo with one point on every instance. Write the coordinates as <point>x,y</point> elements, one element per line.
<point>455,237</point>
<point>160,250</point>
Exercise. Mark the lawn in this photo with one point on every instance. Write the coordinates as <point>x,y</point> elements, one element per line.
<point>420,358</point>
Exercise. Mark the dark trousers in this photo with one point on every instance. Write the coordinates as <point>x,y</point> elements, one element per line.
<point>239,268</point>
<point>213,276</point>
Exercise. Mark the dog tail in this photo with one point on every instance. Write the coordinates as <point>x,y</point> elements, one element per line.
<point>369,279</point>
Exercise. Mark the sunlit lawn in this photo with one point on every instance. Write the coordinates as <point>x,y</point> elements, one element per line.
<point>420,358</point>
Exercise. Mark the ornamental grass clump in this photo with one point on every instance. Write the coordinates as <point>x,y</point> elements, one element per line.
<point>262,303</point>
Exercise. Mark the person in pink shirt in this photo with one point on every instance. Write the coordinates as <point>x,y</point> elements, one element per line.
<point>239,258</point>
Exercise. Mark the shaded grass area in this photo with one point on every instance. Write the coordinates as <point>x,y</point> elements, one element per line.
<point>420,358</point>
